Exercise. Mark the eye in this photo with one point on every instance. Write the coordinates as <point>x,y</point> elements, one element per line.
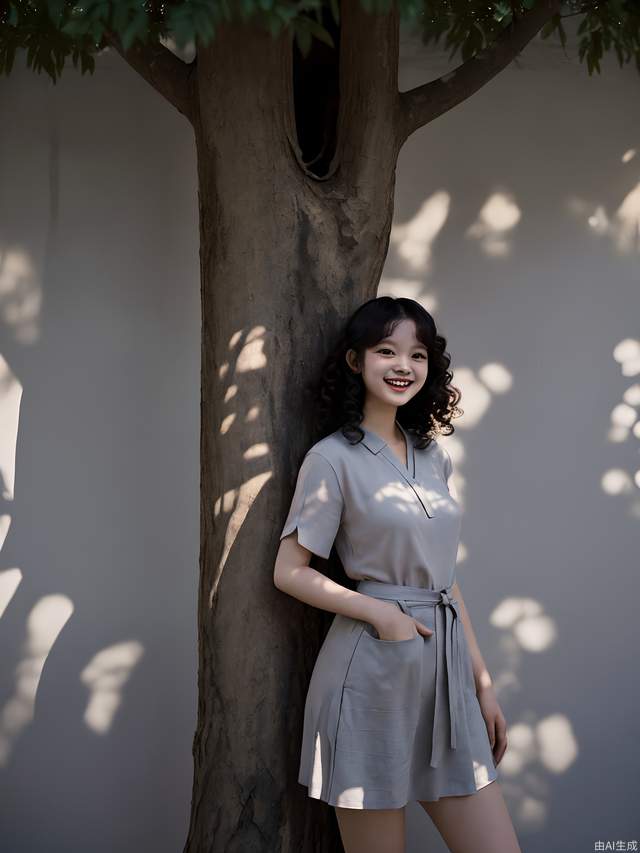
<point>386,349</point>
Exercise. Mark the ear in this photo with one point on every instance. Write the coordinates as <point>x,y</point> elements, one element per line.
<point>352,360</point>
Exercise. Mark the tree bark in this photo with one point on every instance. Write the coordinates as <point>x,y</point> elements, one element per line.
<point>285,257</point>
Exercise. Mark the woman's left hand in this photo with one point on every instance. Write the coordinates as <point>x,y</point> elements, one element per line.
<point>494,720</point>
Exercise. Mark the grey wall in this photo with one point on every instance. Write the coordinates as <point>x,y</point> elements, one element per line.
<point>100,328</point>
<point>517,223</point>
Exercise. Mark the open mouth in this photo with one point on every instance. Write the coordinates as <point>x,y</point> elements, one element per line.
<point>399,384</point>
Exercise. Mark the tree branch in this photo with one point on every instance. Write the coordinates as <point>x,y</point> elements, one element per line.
<point>421,105</point>
<point>368,105</point>
<point>167,73</point>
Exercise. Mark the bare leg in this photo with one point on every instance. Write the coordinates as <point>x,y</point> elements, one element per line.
<point>371,830</point>
<point>475,823</point>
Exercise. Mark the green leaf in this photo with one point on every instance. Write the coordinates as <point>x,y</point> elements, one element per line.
<point>546,30</point>
<point>584,44</point>
<point>319,32</point>
<point>97,31</point>
<point>55,8</point>
<point>562,34</point>
<point>120,17</point>
<point>501,11</point>
<point>87,63</point>
<point>135,30</point>
<point>285,14</point>
<point>584,23</point>
<point>9,57</point>
<point>31,52</point>
<point>98,12</point>
<point>619,55</point>
<point>303,39</point>
<point>75,27</point>
<point>47,63</point>
<point>275,25</point>
<point>204,28</point>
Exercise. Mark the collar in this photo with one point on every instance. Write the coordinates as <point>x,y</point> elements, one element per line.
<point>375,443</point>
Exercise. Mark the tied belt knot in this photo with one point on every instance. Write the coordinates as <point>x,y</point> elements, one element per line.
<point>407,596</point>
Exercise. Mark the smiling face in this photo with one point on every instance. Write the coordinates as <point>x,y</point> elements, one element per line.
<point>401,357</point>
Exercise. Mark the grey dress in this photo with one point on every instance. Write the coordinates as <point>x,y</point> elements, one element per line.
<point>388,721</point>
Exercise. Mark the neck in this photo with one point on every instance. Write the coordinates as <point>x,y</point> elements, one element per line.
<point>382,422</point>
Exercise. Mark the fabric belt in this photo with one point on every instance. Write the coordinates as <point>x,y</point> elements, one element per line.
<point>406,596</point>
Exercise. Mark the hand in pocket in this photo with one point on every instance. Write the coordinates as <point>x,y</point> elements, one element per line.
<point>395,625</point>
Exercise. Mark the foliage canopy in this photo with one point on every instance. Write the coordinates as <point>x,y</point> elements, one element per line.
<point>53,30</point>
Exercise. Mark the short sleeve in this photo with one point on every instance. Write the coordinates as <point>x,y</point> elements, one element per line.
<point>316,507</point>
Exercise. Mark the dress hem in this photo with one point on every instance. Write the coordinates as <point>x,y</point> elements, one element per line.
<point>358,805</point>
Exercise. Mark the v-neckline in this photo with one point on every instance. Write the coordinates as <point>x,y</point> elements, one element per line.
<point>376,444</point>
<point>406,444</point>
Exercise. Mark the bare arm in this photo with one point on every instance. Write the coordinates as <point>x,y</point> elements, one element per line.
<point>481,674</point>
<point>294,575</point>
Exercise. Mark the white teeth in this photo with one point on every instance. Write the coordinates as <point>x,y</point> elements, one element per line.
<point>401,383</point>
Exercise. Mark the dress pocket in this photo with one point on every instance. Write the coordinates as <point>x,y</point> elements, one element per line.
<point>384,674</point>
<point>372,634</point>
<point>380,707</point>
<point>423,613</point>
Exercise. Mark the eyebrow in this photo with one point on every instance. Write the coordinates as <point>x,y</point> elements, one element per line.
<point>391,341</point>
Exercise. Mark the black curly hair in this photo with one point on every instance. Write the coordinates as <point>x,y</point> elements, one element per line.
<point>340,393</point>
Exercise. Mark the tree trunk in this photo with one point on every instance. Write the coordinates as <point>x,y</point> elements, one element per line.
<point>285,256</point>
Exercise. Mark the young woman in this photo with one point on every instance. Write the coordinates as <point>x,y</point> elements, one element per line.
<point>400,705</point>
